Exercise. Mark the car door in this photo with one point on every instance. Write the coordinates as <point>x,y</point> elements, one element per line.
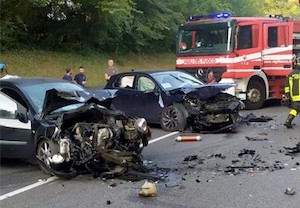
<point>148,100</point>
<point>136,98</point>
<point>15,129</point>
<point>124,99</point>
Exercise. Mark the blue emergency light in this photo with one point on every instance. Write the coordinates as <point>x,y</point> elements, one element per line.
<point>217,15</point>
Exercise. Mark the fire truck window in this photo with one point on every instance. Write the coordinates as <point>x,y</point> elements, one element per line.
<point>255,37</point>
<point>272,37</point>
<point>185,42</point>
<point>283,36</point>
<point>245,37</point>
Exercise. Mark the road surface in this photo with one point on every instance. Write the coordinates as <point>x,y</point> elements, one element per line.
<point>225,170</point>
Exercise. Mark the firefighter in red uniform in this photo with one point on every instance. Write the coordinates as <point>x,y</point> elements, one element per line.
<point>292,92</point>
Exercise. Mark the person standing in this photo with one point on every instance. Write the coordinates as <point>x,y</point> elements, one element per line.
<point>292,92</point>
<point>111,70</point>
<point>68,75</point>
<point>80,78</point>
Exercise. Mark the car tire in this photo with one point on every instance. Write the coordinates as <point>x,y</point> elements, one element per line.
<point>256,95</point>
<point>45,148</point>
<point>173,118</point>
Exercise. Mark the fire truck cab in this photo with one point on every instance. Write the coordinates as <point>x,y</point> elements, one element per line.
<point>253,52</point>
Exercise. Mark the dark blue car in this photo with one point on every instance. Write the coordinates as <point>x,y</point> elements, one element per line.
<point>175,100</point>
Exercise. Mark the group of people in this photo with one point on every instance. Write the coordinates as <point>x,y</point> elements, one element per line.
<point>80,77</point>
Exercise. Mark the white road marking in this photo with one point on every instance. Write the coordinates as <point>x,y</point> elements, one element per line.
<point>162,137</point>
<point>48,180</point>
<point>26,188</point>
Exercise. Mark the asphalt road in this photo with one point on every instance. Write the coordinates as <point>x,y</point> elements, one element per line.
<point>206,181</point>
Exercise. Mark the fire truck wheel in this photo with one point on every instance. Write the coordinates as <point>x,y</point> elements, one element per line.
<point>256,95</point>
<point>173,118</point>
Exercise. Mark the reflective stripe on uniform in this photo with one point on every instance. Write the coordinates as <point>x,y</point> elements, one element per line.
<point>286,89</point>
<point>293,112</point>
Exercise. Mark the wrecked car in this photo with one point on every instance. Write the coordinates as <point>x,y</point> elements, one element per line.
<point>175,100</point>
<point>66,129</point>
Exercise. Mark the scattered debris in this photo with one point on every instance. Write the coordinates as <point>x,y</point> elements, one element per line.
<point>172,184</point>
<point>220,156</point>
<point>247,152</point>
<point>148,189</point>
<point>290,191</point>
<point>255,138</point>
<point>293,150</point>
<point>188,138</point>
<point>252,118</point>
<point>191,158</point>
<point>112,185</point>
<point>276,166</point>
<point>235,161</point>
<point>263,133</point>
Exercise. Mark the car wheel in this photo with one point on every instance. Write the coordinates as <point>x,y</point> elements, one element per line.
<point>256,95</point>
<point>45,149</point>
<point>173,118</point>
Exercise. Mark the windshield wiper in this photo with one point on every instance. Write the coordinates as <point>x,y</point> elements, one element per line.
<point>176,78</point>
<point>189,79</point>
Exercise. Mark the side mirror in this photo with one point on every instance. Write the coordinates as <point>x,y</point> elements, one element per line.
<point>21,117</point>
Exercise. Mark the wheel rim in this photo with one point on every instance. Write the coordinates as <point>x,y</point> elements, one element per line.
<point>44,152</point>
<point>254,95</point>
<point>170,119</point>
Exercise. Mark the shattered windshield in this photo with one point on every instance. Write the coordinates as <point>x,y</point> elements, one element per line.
<point>175,80</point>
<point>205,39</point>
<point>36,94</point>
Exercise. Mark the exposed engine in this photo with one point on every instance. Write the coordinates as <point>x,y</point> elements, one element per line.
<point>213,114</point>
<point>96,140</point>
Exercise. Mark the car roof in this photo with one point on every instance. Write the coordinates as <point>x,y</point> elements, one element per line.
<point>150,72</point>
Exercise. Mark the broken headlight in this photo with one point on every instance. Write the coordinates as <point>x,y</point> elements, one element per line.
<point>141,125</point>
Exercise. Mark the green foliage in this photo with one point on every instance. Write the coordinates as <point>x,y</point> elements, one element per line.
<point>282,7</point>
<point>118,26</point>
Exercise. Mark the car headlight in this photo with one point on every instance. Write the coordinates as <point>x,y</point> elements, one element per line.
<point>141,125</point>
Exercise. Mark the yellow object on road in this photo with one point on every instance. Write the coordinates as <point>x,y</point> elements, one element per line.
<point>148,189</point>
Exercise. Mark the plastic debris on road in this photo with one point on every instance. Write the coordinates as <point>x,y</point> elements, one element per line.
<point>290,191</point>
<point>148,190</point>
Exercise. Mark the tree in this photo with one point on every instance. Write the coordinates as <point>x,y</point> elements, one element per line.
<point>289,8</point>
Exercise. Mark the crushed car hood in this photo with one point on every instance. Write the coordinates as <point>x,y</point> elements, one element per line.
<point>209,90</point>
<point>55,99</point>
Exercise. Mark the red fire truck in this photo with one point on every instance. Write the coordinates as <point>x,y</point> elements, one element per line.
<point>253,52</point>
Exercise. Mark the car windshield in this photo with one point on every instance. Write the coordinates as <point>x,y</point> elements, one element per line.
<point>174,80</point>
<point>205,39</point>
<point>36,94</point>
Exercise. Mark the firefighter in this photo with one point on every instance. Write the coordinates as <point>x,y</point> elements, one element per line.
<point>292,92</point>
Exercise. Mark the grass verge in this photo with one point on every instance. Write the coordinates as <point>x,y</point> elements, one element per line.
<point>39,63</point>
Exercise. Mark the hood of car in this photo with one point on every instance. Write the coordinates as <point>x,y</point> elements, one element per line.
<point>55,99</point>
<point>209,90</point>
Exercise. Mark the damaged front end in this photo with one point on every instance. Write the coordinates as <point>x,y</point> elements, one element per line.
<point>93,139</point>
<point>212,112</point>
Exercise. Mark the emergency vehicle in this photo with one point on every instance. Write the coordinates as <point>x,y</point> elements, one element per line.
<point>253,52</point>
